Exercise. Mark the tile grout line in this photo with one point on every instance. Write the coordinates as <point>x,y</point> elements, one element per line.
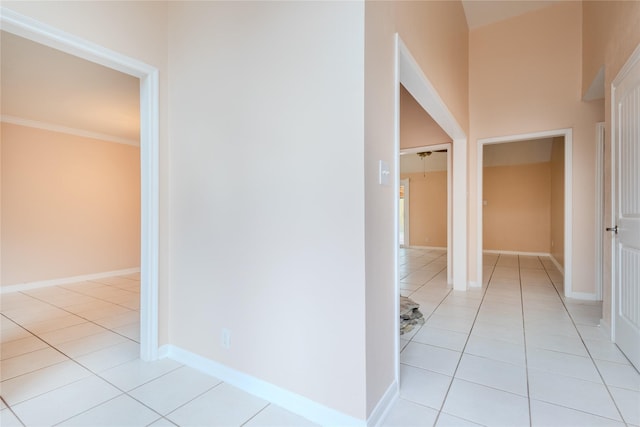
<point>453,375</point>
<point>562,301</point>
<point>524,339</point>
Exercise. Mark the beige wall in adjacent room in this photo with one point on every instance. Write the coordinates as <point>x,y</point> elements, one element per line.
<point>137,29</point>
<point>427,208</point>
<point>557,200</point>
<point>417,128</point>
<point>523,80</point>
<point>70,205</point>
<point>516,216</point>
<point>436,34</point>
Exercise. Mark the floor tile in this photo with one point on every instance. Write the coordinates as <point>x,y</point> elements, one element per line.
<point>547,415</point>
<point>65,402</point>
<point>558,343</point>
<point>8,419</point>
<point>605,350</point>
<point>30,362</point>
<point>422,386</point>
<point>485,405</point>
<point>496,349</point>
<point>27,386</point>
<point>503,332</point>
<point>493,373</point>
<point>223,405</point>
<point>42,327</point>
<point>21,346</point>
<point>90,343</point>
<point>162,422</point>
<point>619,375</point>
<point>135,373</point>
<point>446,420</point>
<point>275,416</point>
<point>107,358</point>
<point>435,359</point>
<point>573,393</point>
<point>174,389</point>
<point>562,364</point>
<point>71,333</point>
<point>405,413</point>
<point>123,411</point>
<point>628,402</point>
<point>441,338</point>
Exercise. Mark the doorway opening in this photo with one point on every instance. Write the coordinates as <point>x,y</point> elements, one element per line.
<point>527,146</point>
<point>38,32</point>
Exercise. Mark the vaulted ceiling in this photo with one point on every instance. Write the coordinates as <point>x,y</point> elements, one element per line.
<point>43,85</point>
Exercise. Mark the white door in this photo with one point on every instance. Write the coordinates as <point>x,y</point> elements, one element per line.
<point>626,164</point>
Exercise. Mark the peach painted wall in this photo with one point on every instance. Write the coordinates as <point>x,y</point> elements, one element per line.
<point>267,175</point>
<point>436,34</point>
<point>137,29</point>
<point>516,216</point>
<point>70,205</point>
<point>557,200</point>
<point>427,208</point>
<point>523,80</point>
<point>417,128</point>
<point>616,36</point>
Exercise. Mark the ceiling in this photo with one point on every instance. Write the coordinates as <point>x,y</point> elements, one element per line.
<point>484,12</point>
<point>44,85</point>
<point>55,89</point>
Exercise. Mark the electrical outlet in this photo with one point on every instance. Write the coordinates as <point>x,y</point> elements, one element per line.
<point>225,338</point>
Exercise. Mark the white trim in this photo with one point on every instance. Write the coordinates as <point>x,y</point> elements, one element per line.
<point>290,401</point>
<point>67,130</point>
<point>494,251</point>
<point>39,32</point>
<point>19,287</point>
<point>600,135</point>
<point>396,176</point>
<point>427,247</point>
<point>418,85</point>
<point>568,193</point>
<point>407,214</point>
<point>583,296</point>
<point>384,405</point>
<point>557,264</point>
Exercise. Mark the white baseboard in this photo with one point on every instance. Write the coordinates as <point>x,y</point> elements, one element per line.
<point>492,251</point>
<point>442,248</point>
<point>385,404</point>
<point>584,296</point>
<point>473,284</point>
<point>290,401</point>
<point>557,264</point>
<point>606,327</point>
<point>65,280</point>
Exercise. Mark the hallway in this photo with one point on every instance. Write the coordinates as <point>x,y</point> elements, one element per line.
<point>511,354</point>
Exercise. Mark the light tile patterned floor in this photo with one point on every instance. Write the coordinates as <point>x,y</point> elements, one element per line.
<point>511,354</point>
<point>70,357</point>
<point>514,353</point>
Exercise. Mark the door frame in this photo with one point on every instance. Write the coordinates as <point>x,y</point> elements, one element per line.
<point>600,146</point>
<point>568,204</point>
<point>409,73</point>
<point>47,35</point>
<point>406,228</point>
<point>445,146</point>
